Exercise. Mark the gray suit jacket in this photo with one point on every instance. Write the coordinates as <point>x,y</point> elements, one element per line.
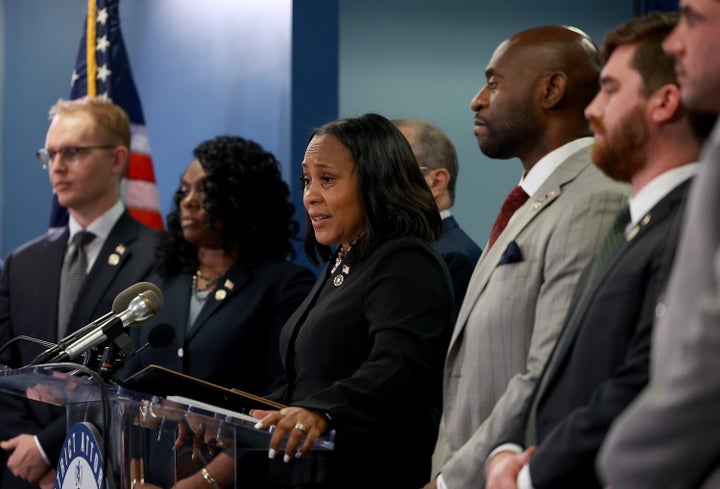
<point>669,437</point>
<point>513,311</point>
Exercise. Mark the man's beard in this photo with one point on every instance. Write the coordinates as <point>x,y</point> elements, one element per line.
<point>621,153</point>
<point>504,138</point>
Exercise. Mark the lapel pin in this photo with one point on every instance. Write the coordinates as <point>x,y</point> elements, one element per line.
<point>120,249</point>
<point>346,270</point>
<point>220,294</point>
<point>229,284</point>
<point>636,229</point>
<point>338,280</point>
<point>540,202</point>
<point>113,259</point>
<point>633,232</point>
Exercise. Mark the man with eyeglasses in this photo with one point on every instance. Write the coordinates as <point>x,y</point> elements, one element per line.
<point>86,152</point>
<point>438,161</point>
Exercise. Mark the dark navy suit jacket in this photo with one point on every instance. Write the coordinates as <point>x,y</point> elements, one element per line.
<point>460,254</point>
<point>28,306</point>
<point>234,342</point>
<point>602,357</point>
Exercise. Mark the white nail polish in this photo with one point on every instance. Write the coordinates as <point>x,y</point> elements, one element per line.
<point>286,458</point>
<point>271,453</point>
<point>298,454</point>
<point>258,425</point>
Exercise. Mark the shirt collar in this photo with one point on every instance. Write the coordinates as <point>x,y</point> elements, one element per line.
<point>541,171</point>
<point>101,226</point>
<point>655,190</point>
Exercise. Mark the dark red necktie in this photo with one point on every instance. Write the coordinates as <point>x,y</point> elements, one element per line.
<point>514,200</point>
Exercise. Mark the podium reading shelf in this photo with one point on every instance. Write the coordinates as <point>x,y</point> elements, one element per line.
<point>161,381</point>
<point>160,426</point>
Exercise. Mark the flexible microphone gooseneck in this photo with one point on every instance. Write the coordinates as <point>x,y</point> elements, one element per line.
<point>131,307</point>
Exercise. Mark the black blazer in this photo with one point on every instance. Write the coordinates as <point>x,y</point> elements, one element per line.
<point>28,306</point>
<point>234,340</point>
<point>460,254</point>
<point>603,355</point>
<point>367,346</point>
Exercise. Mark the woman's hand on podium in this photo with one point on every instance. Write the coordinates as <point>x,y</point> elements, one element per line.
<point>301,426</point>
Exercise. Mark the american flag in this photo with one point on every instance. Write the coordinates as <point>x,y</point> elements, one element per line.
<point>102,69</point>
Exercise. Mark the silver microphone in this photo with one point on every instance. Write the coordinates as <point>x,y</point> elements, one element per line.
<point>120,303</point>
<point>144,306</point>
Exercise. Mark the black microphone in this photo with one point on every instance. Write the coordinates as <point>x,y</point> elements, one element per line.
<point>158,337</point>
<point>144,306</point>
<point>120,303</point>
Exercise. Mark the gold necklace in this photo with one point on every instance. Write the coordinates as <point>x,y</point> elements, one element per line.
<point>209,281</point>
<point>340,257</point>
<point>343,252</point>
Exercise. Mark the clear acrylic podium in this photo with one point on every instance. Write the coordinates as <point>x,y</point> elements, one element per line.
<point>167,428</point>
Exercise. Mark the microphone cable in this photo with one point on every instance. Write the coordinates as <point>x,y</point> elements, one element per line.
<point>46,344</point>
<point>105,405</point>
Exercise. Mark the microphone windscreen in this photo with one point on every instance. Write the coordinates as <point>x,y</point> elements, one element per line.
<point>122,300</point>
<point>154,299</point>
<point>161,335</point>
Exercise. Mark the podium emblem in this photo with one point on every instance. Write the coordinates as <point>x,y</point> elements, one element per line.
<point>81,464</point>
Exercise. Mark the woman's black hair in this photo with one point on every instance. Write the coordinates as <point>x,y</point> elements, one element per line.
<point>243,190</point>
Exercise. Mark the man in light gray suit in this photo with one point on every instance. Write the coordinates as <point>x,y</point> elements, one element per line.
<point>669,436</point>
<point>538,84</point>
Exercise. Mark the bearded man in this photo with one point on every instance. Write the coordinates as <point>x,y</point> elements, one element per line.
<point>643,136</point>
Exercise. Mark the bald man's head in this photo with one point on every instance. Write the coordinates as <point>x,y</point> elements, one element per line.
<point>561,49</point>
<point>539,82</point>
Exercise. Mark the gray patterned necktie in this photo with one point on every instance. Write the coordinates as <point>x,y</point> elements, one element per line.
<point>72,277</point>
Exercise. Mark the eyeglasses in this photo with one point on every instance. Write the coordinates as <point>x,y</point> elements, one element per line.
<point>70,154</point>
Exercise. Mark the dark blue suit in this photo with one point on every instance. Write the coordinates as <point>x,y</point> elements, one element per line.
<point>28,306</point>
<point>460,253</point>
<point>234,340</point>
<point>601,361</point>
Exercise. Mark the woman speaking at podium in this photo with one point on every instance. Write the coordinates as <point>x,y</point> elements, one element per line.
<point>363,354</point>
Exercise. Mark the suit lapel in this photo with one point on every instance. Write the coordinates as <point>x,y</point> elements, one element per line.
<point>298,317</point>
<point>235,280</point>
<point>449,223</point>
<point>548,192</point>
<point>115,252</point>
<point>179,288</point>
<point>664,209</point>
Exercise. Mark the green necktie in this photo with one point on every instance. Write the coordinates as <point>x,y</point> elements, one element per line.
<point>609,245</point>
